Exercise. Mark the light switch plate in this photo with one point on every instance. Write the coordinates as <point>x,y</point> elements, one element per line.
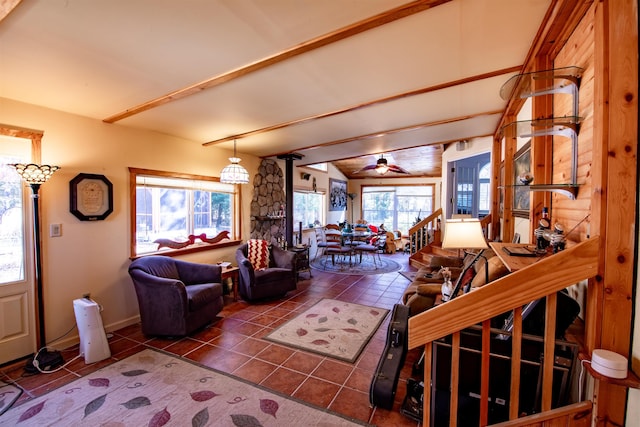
<point>55,230</point>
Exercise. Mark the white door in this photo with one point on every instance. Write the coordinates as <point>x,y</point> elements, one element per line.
<point>17,313</point>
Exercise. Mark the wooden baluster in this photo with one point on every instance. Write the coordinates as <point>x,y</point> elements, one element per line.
<point>516,355</point>
<point>455,379</point>
<point>426,402</point>
<point>549,349</point>
<point>484,372</point>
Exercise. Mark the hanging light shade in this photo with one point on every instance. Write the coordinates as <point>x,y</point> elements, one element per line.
<point>234,173</point>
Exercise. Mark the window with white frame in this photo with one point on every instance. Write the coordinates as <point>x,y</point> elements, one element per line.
<point>397,207</point>
<point>308,208</point>
<point>172,209</point>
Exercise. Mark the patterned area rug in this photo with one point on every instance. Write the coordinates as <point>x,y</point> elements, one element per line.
<point>155,389</point>
<point>367,266</point>
<point>9,393</point>
<point>331,328</point>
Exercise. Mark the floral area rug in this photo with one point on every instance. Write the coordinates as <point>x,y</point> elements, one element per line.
<point>331,328</point>
<point>367,266</point>
<point>155,389</point>
<point>9,393</point>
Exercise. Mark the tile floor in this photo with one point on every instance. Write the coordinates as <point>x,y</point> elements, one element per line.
<point>234,344</point>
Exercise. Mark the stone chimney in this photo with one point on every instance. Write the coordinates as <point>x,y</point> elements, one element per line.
<point>268,203</point>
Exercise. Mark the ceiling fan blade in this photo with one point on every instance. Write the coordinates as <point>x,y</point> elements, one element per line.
<point>397,169</point>
<point>367,168</point>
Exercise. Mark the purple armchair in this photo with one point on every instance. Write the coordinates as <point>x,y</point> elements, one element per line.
<point>176,297</point>
<point>275,281</point>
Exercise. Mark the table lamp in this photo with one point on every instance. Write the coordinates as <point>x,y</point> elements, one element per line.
<point>466,233</point>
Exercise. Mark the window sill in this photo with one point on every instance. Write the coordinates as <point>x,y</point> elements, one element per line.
<point>191,249</point>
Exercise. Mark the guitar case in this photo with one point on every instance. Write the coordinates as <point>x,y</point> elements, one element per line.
<point>385,380</point>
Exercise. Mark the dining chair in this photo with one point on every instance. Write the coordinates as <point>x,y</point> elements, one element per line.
<point>335,246</point>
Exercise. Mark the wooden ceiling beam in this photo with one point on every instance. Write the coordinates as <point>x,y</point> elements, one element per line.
<point>393,131</point>
<point>7,6</point>
<point>371,103</point>
<point>307,46</point>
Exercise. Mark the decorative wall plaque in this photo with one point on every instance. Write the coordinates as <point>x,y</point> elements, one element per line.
<point>91,197</point>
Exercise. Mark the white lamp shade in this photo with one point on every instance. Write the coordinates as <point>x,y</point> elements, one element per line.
<point>234,173</point>
<point>463,234</point>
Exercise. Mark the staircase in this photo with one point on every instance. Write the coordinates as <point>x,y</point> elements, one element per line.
<point>425,239</point>
<point>510,293</point>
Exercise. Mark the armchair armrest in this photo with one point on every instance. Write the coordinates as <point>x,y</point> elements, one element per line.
<point>194,274</point>
<point>171,292</point>
<point>282,258</point>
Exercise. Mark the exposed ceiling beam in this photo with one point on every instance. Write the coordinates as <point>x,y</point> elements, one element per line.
<point>395,97</point>
<point>307,46</point>
<point>392,131</point>
<point>6,6</point>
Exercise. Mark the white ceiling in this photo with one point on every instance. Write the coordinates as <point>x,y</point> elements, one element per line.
<point>99,58</point>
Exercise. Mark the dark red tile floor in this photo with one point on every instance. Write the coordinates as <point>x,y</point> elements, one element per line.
<point>234,344</point>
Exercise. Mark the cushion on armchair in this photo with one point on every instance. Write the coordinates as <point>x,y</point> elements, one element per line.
<point>258,253</point>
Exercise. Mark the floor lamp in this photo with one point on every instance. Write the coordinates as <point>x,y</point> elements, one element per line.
<point>352,196</point>
<point>466,233</point>
<point>35,175</point>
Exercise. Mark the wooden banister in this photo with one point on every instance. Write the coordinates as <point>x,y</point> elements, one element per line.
<point>543,278</point>
<point>419,233</point>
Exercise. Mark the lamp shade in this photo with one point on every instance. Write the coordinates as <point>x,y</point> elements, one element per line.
<point>234,173</point>
<point>463,234</point>
<point>34,174</point>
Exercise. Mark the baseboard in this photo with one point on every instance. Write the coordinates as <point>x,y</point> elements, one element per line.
<point>75,340</point>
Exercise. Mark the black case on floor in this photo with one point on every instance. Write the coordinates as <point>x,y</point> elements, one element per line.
<point>385,379</point>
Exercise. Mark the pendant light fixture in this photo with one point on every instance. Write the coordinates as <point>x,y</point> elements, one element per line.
<point>234,173</point>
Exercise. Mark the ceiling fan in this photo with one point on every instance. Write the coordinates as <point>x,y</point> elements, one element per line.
<point>382,167</point>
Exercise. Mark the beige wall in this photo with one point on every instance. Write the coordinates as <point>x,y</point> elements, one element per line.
<point>94,256</point>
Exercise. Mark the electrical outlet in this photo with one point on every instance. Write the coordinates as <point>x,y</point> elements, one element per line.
<point>55,230</point>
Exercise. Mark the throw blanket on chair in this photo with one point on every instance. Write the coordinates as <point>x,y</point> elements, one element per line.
<point>258,253</point>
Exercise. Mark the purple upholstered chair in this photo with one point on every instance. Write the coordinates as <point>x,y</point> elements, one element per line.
<point>272,282</point>
<point>175,297</point>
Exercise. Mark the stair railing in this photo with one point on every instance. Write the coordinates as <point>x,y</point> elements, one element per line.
<point>542,279</point>
<point>425,232</point>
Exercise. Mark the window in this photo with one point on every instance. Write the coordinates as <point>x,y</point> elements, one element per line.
<point>397,207</point>
<point>320,166</point>
<point>11,223</point>
<point>173,211</point>
<point>484,200</point>
<point>308,208</point>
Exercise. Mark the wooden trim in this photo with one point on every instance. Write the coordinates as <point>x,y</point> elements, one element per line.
<point>304,47</point>
<point>547,276</point>
<point>578,413</point>
<point>378,101</point>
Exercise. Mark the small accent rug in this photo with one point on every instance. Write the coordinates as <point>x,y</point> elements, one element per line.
<point>9,393</point>
<point>154,389</point>
<point>331,328</point>
<point>367,266</point>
